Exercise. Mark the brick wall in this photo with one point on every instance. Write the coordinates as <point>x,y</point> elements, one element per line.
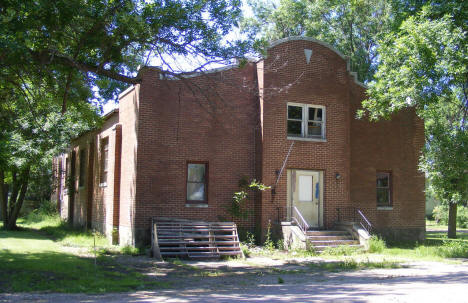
<point>210,118</point>
<point>102,194</point>
<point>393,145</point>
<point>236,121</point>
<point>128,118</point>
<point>324,81</point>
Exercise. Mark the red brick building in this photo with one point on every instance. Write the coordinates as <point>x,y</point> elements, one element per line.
<point>178,148</point>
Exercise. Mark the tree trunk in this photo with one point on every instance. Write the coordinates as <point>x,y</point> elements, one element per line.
<point>452,221</point>
<point>3,200</point>
<point>16,205</point>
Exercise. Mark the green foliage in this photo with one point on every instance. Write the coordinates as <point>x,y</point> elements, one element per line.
<point>269,244</point>
<point>441,215</point>
<point>376,244</point>
<point>352,27</point>
<point>32,262</point>
<point>453,249</point>
<point>423,66</point>
<point>342,250</point>
<point>250,239</point>
<point>108,40</point>
<point>238,208</point>
<point>130,250</point>
<point>280,280</point>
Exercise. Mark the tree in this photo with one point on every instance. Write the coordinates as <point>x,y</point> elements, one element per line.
<point>54,55</point>
<point>107,40</point>
<point>32,130</point>
<point>424,66</point>
<point>352,27</point>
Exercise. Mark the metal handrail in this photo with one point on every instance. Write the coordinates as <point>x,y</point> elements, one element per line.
<point>354,214</point>
<point>363,221</point>
<point>299,219</point>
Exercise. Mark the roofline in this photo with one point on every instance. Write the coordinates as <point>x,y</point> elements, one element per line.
<point>304,38</point>
<point>126,91</point>
<point>109,114</point>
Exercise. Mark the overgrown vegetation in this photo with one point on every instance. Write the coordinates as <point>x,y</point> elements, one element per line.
<point>31,261</point>
<point>441,215</point>
<point>376,244</point>
<point>238,208</point>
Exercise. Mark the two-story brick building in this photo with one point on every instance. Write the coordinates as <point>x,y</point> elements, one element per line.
<point>178,148</point>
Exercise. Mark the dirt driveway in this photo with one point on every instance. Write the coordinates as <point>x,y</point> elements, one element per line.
<point>284,281</point>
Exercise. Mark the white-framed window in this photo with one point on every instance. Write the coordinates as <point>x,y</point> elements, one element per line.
<point>306,121</point>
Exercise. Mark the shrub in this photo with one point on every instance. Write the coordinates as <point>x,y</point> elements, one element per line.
<point>440,214</point>
<point>130,250</point>
<point>376,244</point>
<point>269,243</point>
<point>453,249</point>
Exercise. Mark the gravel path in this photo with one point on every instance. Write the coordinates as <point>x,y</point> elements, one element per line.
<point>417,282</point>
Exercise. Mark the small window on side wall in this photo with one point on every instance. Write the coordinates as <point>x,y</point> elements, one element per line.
<point>197,185</point>
<point>104,160</point>
<point>384,189</point>
<point>82,167</point>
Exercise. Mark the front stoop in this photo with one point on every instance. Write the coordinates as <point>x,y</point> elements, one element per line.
<point>322,239</point>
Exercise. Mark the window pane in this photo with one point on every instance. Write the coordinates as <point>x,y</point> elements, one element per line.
<point>382,180</point>
<point>295,128</point>
<point>196,191</point>
<point>294,112</point>
<point>383,196</point>
<point>196,173</point>
<point>314,129</point>
<point>315,114</point>
<point>305,188</point>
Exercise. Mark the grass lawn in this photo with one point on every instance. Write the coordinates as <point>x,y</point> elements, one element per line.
<point>35,260</point>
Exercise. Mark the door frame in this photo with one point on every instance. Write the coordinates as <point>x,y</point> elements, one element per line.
<point>289,193</point>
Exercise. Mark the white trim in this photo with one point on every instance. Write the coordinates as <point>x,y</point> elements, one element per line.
<point>303,38</point>
<point>307,139</point>
<point>384,207</point>
<point>197,205</point>
<point>126,91</point>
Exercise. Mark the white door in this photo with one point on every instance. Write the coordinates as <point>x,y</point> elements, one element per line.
<point>306,195</point>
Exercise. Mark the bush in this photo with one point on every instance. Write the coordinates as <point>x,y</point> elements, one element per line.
<point>130,250</point>
<point>453,249</point>
<point>376,244</point>
<point>440,214</point>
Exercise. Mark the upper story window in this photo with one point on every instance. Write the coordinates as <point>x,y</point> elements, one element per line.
<point>306,121</point>
<point>384,189</point>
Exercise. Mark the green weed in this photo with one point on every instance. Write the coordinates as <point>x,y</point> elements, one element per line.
<point>376,244</point>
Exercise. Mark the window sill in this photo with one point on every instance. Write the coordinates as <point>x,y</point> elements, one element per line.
<point>196,205</point>
<point>103,184</point>
<point>384,207</point>
<point>307,139</point>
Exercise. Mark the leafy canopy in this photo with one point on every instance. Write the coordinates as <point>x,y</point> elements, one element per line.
<point>425,66</point>
<point>352,27</point>
<point>108,39</point>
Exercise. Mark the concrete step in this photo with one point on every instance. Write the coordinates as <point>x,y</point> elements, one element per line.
<point>330,238</point>
<point>327,233</point>
<point>320,248</point>
<point>334,242</point>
